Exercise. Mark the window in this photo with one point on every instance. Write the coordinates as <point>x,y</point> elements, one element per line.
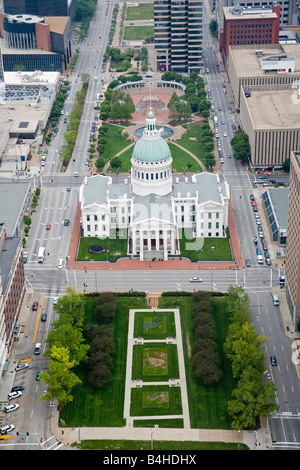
<point>88,227</point>
<point>95,217</point>
<point>88,218</point>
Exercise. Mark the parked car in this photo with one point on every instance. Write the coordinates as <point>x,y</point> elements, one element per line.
<point>254,208</point>
<point>268,262</point>
<point>195,279</point>
<point>10,408</point>
<point>13,395</point>
<point>17,388</point>
<point>252,198</point>
<point>21,366</point>
<point>6,429</point>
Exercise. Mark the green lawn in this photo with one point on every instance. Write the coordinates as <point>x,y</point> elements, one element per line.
<point>155,362</point>
<point>154,325</point>
<point>116,246</point>
<point>138,33</point>
<point>104,407</point>
<point>115,142</point>
<point>160,445</point>
<point>156,400</point>
<point>205,249</point>
<point>194,146</point>
<point>145,11</point>
<point>208,405</point>
<point>182,161</point>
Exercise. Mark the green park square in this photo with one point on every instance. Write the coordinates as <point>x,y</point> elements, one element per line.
<point>155,362</point>
<point>154,325</point>
<point>155,400</point>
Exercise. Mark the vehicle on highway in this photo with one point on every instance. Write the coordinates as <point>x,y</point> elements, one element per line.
<point>13,395</point>
<point>17,388</point>
<point>195,279</point>
<point>10,408</point>
<point>44,317</point>
<point>273,360</point>
<point>248,263</point>
<point>35,305</point>
<point>48,226</point>
<point>21,366</point>
<point>6,429</point>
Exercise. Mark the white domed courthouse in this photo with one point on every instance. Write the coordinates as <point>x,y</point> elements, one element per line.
<point>151,208</point>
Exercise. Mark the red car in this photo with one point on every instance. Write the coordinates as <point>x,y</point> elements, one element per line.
<point>48,226</point>
<point>35,305</point>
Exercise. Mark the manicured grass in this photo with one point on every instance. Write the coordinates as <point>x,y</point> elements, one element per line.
<point>103,407</point>
<point>138,33</point>
<point>116,246</point>
<point>160,445</point>
<point>115,142</point>
<point>182,161</point>
<point>125,158</point>
<point>155,400</point>
<point>194,146</point>
<point>155,362</point>
<point>207,405</point>
<point>154,325</point>
<point>145,11</point>
<point>210,248</point>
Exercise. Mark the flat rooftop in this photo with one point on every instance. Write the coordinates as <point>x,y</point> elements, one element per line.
<point>37,78</point>
<point>274,109</point>
<point>249,14</point>
<point>246,62</point>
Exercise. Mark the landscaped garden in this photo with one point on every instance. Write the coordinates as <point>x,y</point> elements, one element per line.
<point>113,247</point>
<point>204,249</point>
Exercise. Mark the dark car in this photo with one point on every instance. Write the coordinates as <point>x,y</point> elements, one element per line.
<point>66,222</point>
<point>254,208</point>
<point>252,198</point>
<point>248,263</point>
<point>267,254</point>
<point>44,317</point>
<point>17,388</point>
<point>273,360</point>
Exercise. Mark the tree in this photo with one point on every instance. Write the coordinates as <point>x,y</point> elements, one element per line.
<point>59,379</point>
<point>116,163</point>
<point>286,165</point>
<point>106,306</point>
<point>100,163</point>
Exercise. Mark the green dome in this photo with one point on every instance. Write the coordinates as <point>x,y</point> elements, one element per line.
<point>151,150</point>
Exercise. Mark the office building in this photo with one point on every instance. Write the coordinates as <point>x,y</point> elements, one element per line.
<point>272,65</point>
<point>270,118</point>
<point>288,9</point>
<point>41,7</point>
<point>36,43</point>
<point>178,34</point>
<point>293,240</point>
<point>244,25</point>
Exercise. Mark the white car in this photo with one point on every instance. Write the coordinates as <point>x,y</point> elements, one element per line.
<point>6,429</point>
<point>60,263</point>
<point>21,366</point>
<point>10,408</point>
<point>225,134</point>
<point>13,395</point>
<point>195,279</point>
<point>55,300</point>
<point>258,222</point>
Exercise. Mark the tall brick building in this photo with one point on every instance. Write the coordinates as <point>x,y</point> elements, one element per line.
<point>244,25</point>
